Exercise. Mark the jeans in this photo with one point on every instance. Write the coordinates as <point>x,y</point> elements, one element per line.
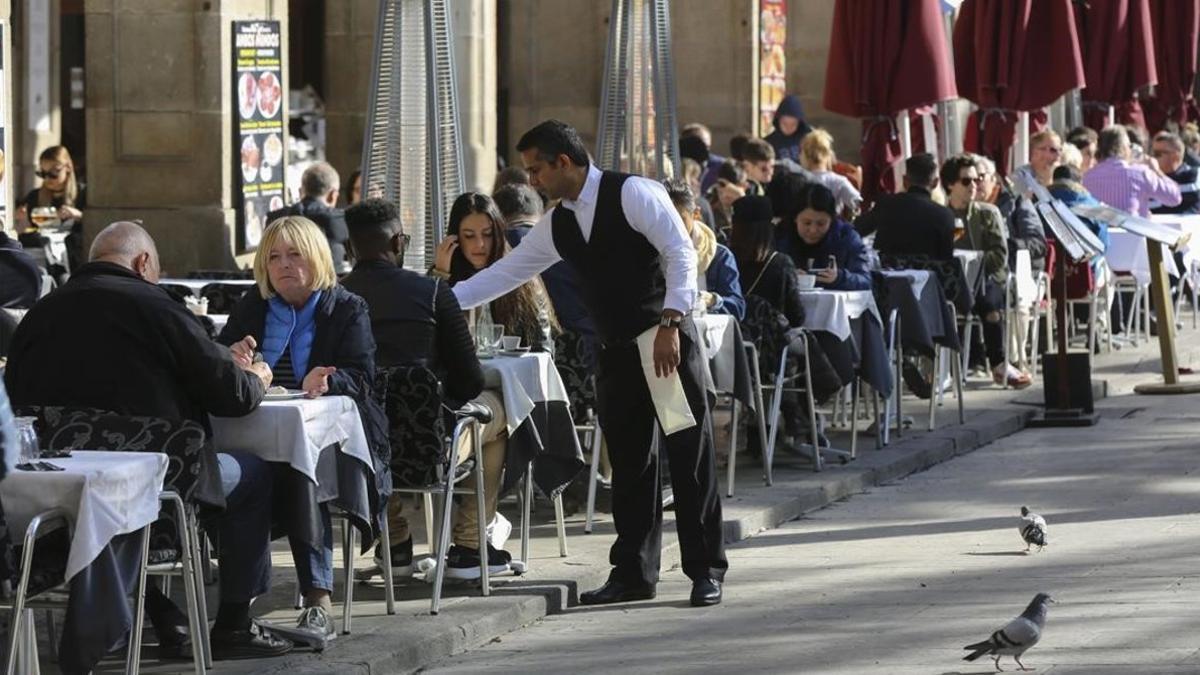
<point>314,567</point>
<point>245,527</point>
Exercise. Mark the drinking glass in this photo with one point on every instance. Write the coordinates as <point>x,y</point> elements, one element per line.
<point>29,440</point>
<point>496,337</point>
<point>44,216</point>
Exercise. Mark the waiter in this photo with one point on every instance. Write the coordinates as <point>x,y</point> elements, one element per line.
<point>637,273</point>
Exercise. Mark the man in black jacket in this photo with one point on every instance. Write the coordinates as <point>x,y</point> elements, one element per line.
<point>911,223</point>
<point>319,185</point>
<point>112,339</point>
<point>416,320</point>
<point>20,276</point>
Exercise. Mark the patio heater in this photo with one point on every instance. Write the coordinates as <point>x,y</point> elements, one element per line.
<point>638,130</point>
<point>412,145</point>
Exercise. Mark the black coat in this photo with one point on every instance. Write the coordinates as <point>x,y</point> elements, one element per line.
<point>343,340</point>
<point>775,281</point>
<point>331,221</point>
<point>20,276</point>
<point>910,223</point>
<point>1025,231</point>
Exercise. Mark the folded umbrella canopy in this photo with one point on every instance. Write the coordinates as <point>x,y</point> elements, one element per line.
<point>1118,57</point>
<point>885,56</point>
<point>1176,28</point>
<point>1012,56</point>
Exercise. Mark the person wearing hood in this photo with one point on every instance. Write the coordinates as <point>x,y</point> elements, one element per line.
<point>817,240</point>
<point>720,288</point>
<point>790,128</point>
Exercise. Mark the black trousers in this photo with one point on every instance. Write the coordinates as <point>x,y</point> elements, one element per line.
<point>990,299</point>
<point>630,424</point>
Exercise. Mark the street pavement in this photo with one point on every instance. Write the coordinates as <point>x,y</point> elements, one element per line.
<point>900,578</point>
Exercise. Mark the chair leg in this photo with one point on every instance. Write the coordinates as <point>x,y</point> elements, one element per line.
<point>958,390</point>
<point>760,415</point>
<point>188,576</point>
<point>348,566</point>
<point>443,545</point>
<point>777,401</point>
<point>133,656</point>
<point>594,472</point>
<point>812,409</point>
<point>855,394</point>
<point>430,533</point>
<point>560,523</point>
<point>526,509</point>
<point>385,543</point>
<point>17,627</point>
<point>880,425</point>
<point>200,566</point>
<point>485,581</point>
<point>937,380</point>
<point>731,469</point>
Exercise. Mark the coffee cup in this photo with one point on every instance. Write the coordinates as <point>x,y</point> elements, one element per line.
<point>806,282</point>
<point>510,343</point>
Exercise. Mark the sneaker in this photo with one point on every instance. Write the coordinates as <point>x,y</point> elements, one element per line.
<point>316,620</point>
<point>402,558</point>
<point>255,642</point>
<point>498,531</point>
<point>463,562</point>
<point>1016,379</point>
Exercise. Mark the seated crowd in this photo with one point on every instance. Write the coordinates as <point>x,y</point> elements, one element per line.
<point>776,210</point>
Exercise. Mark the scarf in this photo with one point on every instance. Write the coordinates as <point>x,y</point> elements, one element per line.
<point>706,246</point>
<point>287,327</point>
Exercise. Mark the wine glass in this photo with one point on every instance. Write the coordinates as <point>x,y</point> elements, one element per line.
<point>29,439</point>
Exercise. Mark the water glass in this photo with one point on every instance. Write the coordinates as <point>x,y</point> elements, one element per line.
<point>29,440</point>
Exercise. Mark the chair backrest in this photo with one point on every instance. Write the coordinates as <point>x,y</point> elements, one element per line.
<point>575,358</point>
<point>223,297</point>
<point>950,275</point>
<point>767,328</point>
<point>411,397</point>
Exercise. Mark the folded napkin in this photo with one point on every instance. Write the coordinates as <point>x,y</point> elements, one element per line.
<point>670,403</point>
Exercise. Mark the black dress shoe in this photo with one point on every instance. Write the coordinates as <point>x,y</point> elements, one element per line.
<point>253,643</point>
<point>616,591</point>
<point>706,592</point>
<point>173,642</point>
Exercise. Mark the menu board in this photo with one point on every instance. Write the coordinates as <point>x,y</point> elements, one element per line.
<point>772,60</point>
<point>259,137</point>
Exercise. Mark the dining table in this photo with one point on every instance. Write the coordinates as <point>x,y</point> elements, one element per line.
<point>849,329</point>
<point>108,499</point>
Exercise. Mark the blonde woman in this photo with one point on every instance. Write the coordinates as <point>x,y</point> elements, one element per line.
<point>816,155</point>
<point>316,337</point>
<point>60,191</point>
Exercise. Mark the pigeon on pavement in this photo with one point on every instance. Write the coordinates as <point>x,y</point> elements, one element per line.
<point>1015,638</point>
<point>1033,529</point>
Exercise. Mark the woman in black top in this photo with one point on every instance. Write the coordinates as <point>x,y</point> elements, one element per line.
<point>61,191</point>
<point>765,273</point>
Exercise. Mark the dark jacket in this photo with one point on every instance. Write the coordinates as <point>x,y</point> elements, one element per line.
<point>562,284</point>
<point>788,147</point>
<point>910,223</point>
<point>416,320</point>
<point>20,276</point>
<point>774,280</point>
<point>331,221</point>
<point>73,241</point>
<point>721,279</point>
<point>1025,231</point>
<point>841,242</point>
<point>109,340</point>
<point>1188,177</point>
<point>343,340</point>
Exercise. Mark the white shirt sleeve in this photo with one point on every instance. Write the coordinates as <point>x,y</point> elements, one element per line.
<point>531,258</point>
<point>650,212</point>
<point>847,195</point>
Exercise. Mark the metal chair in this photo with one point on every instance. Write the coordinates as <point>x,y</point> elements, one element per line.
<point>188,568</point>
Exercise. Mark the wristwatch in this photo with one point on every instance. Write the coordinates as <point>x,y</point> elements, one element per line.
<point>669,321</point>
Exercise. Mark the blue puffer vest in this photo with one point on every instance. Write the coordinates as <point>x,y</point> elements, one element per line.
<point>286,326</point>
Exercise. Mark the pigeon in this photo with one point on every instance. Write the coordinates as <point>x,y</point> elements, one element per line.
<point>1033,529</point>
<point>1018,636</point>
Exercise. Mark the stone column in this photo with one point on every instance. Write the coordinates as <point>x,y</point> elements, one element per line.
<point>475,66</point>
<point>160,122</point>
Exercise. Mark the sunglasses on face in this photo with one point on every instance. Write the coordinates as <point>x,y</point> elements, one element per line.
<point>54,173</point>
<point>968,181</point>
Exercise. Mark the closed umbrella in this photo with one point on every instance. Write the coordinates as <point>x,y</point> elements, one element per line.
<point>1118,56</point>
<point>885,56</point>
<point>1176,27</point>
<point>1012,56</point>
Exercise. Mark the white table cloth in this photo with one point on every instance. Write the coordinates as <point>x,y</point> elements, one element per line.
<point>832,311</point>
<point>524,381</point>
<point>105,494</point>
<point>972,262</point>
<point>918,278</point>
<point>1127,254</point>
<point>296,431</point>
<point>717,333</point>
<point>1187,224</point>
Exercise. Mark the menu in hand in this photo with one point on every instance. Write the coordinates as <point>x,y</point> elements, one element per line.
<point>261,153</point>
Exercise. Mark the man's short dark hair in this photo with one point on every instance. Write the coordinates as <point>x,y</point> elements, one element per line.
<point>953,168</point>
<point>1081,137</point>
<point>681,194</point>
<point>736,144</point>
<point>510,175</point>
<point>319,180</point>
<point>1112,139</point>
<point>733,173</point>
<point>373,214</point>
<point>758,150</point>
<point>518,201</point>
<point>553,138</point>
<point>921,169</point>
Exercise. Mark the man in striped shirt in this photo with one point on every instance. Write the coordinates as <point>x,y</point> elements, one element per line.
<point>1124,183</point>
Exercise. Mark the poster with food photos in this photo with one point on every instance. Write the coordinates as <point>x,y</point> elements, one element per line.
<point>259,136</point>
<point>772,60</point>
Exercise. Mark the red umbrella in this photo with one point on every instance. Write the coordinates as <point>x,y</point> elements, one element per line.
<point>1010,56</point>
<point>1118,56</point>
<point>885,56</point>
<point>1176,25</point>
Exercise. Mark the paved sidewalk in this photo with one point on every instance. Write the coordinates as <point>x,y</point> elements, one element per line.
<point>897,580</point>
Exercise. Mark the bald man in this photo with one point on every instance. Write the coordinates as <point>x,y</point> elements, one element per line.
<point>112,339</point>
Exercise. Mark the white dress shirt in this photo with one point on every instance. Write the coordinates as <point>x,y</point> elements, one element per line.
<point>649,211</point>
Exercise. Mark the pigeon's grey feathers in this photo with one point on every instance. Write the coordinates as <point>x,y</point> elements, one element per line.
<point>1017,636</point>
<point>1032,528</point>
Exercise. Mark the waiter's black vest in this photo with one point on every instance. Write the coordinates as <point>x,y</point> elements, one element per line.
<point>618,268</point>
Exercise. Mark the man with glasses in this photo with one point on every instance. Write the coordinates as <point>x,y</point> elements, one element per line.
<point>1168,151</point>
<point>984,230</point>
